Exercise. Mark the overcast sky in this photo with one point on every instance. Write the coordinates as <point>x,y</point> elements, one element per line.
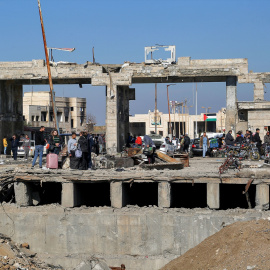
<point>120,29</point>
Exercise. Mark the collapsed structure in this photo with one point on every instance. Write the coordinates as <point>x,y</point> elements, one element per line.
<point>118,78</point>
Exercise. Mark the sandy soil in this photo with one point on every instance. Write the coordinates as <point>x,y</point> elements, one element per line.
<point>242,245</point>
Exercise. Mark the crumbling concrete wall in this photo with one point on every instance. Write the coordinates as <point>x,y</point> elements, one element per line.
<point>141,238</point>
<point>11,110</point>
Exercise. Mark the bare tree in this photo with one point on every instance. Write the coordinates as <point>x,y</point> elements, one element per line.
<point>90,122</point>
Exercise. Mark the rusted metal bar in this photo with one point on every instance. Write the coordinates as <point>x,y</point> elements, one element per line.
<point>48,68</point>
<point>248,185</point>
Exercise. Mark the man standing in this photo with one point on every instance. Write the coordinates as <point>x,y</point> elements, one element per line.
<point>39,145</point>
<point>26,146</point>
<point>186,143</point>
<point>72,146</point>
<point>257,139</point>
<point>229,138</point>
<point>267,138</point>
<point>14,146</point>
<point>204,143</point>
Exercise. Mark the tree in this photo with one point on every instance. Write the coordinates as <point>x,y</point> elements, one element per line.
<point>90,122</point>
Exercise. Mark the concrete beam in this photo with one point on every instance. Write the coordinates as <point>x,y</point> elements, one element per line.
<point>116,190</point>
<point>258,91</point>
<point>70,197</point>
<point>262,197</point>
<point>22,194</point>
<point>164,194</point>
<point>213,200</point>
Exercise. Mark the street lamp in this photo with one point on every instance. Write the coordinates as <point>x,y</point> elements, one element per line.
<point>206,111</point>
<point>169,106</point>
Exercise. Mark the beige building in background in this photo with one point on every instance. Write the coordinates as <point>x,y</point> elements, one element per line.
<point>71,112</point>
<point>141,124</point>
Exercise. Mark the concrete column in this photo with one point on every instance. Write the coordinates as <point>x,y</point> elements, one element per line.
<point>231,106</point>
<point>213,200</point>
<point>258,91</point>
<point>11,110</point>
<point>117,117</point>
<point>70,196</point>
<point>116,190</point>
<point>22,194</point>
<point>262,197</point>
<point>164,194</point>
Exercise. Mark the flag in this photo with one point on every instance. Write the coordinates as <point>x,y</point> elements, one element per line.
<point>210,117</point>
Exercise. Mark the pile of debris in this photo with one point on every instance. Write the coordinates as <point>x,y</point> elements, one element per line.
<point>242,245</point>
<point>19,257</point>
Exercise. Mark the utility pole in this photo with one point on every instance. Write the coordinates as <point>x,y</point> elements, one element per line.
<point>48,69</point>
<point>196,112</point>
<point>156,108</point>
<point>169,107</point>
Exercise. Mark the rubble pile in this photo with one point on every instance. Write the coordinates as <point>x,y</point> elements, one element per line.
<point>19,257</point>
<point>242,245</point>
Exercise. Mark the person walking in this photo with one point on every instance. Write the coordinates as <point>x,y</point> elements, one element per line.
<point>5,144</point>
<point>83,142</point>
<point>40,141</point>
<point>186,143</point>
<point>204,143</point>
<point>26,146</point>
<point>14,146</point>
<point>72,146</point>
<point>55,141</point>
<point>267,138</point>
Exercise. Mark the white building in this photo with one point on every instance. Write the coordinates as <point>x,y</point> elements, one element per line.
<point>141,124</point>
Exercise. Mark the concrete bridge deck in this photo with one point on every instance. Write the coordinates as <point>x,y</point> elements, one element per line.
<point>199,185</point>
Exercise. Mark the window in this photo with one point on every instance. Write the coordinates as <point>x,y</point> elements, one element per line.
<point>71,109</point>
<point>72,123</point>
<point>161,133</point>
<point>37,118</point>
<point>81,109</point>
<point>51,116</point>
<point>81,121</point>
<point>66,119</point>
<point>33,118</point>
<point>44,116</point>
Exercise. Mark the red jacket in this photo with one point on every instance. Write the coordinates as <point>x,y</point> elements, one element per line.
<point>138,140</point>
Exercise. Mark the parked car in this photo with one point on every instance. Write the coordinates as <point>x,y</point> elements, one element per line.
<point>157,139</point>
<point>167,147</point>
<point>195,147</point>
<point>21,150</point>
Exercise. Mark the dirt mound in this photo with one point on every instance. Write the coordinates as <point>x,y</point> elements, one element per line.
<point>19,257</point>
<point>242,245</point>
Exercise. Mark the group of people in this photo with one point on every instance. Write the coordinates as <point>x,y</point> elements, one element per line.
<point>86,144</point>
<point>80,150</point>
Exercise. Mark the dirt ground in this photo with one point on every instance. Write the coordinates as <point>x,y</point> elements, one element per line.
<point>242,245</point>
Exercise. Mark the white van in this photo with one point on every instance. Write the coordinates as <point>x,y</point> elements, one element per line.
<point>20,152</point>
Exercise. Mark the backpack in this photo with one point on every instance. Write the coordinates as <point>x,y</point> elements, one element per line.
<point>83,144</point>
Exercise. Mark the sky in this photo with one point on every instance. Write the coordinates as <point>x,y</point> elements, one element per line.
<point>120,29</point>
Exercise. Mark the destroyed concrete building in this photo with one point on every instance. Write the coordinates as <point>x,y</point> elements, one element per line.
<point>71,111</point>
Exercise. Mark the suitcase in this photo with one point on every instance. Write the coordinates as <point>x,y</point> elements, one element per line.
<point>52,161</point>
